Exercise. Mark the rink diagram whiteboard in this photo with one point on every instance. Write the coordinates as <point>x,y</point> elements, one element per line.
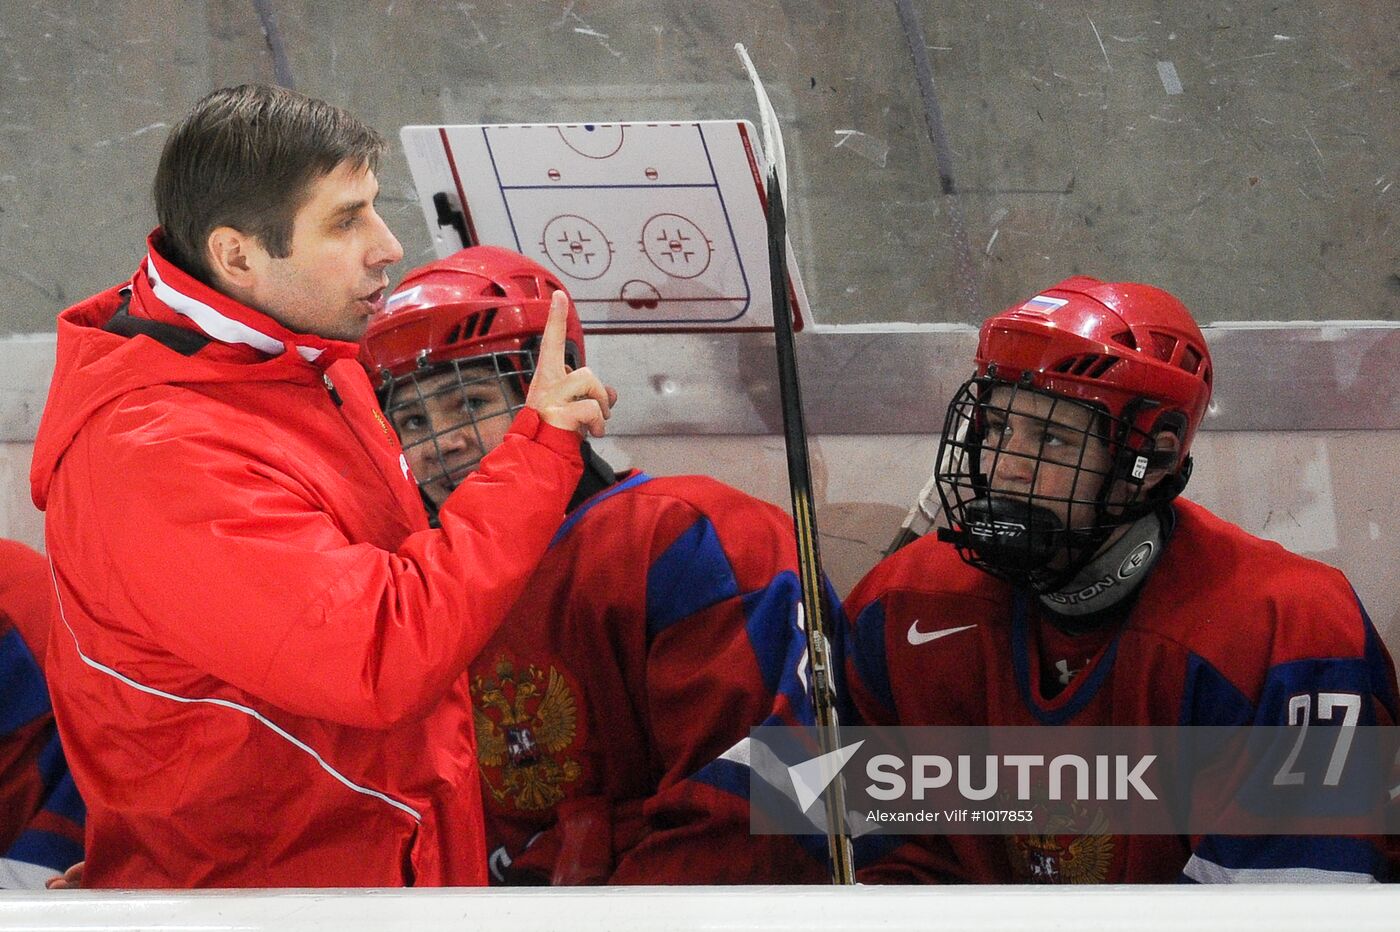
<point>651,226</point>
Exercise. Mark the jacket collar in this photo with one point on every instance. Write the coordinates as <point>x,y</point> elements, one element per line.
<point>220,317</point>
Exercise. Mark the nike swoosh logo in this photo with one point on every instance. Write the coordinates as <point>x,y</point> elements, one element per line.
<point>917,637</point>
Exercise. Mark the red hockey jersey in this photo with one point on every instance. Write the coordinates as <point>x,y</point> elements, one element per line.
<point>614,704</point>
<point>1226,630</point>
<point>41,816</point>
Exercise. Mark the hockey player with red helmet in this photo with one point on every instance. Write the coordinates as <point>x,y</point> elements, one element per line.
<point>614,704</point>
<point>1073,586</point>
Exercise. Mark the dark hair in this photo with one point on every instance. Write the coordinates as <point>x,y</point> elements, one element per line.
<point>246,157</point>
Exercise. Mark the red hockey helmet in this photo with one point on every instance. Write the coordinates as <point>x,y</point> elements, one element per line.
<point>1134,350</point>
<point>1096,371</point>
<point>452,355</point>
<point>478,301</point>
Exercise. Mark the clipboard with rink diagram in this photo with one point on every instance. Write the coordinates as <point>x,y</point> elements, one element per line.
<point>651,226</point>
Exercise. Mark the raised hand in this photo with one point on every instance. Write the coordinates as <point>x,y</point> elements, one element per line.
<point>568,399</point>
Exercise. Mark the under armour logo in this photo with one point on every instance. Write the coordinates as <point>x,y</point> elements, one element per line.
<point>1066,674</point>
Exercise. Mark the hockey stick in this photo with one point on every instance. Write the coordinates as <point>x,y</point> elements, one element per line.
<point>813,605</point>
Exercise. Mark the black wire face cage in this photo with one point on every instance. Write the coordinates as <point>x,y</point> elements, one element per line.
<point>443,413</point>
<point>1033,483</point>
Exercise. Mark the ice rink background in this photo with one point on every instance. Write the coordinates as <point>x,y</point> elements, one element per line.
<point>1243,155</point>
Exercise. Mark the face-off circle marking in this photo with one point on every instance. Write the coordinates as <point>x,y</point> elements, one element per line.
<point>576,247</point>
<point>592,140</point>
<point>676,246</point>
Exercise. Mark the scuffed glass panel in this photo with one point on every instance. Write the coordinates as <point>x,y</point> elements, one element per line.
<point>1242,154</point>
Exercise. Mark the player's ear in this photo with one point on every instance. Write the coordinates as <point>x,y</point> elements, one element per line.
<point>233,259</point>
<point>1162,458</point>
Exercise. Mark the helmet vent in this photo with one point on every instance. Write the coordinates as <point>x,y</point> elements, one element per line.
<point>1089,365</point>
<point>528,284</point>
<point>493,290</point>
<point>1108,362</point>
<point>463,329</point>
<point>1163,345</point>
<point>1191,360</point>
<point>466,328</point>
<point>1126,339</point>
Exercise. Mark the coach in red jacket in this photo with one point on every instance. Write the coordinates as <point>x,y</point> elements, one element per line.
<point>256,663</point>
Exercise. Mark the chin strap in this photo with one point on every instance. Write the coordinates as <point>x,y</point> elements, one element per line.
<point>1113,575</point>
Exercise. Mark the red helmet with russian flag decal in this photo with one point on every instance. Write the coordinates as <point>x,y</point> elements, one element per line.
<point>1124,346</point>
<point>1078,421</point>
<point>452,355</point>
<point>478,301</point>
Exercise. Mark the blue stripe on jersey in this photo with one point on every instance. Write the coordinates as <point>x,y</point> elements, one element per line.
<point>727,775</point>
<point>815,847</point>
<point>61,795</point>
<point>693,573</point>
<point>23,695</point>
<point>1329,674</point>
<point>868,654</point>
<point>1378,662</point>
<point>1085,690</point>
<point>45,849</point>
<point>770,622</point>
<point>52,766</point>
<point>1210,699</point>
<point>795,683</point>
<point>1280,852</point>
<point>736,779</point>
<point>630,483</point>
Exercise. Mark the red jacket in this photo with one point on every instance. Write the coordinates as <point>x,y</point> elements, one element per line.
<point>256,667</point>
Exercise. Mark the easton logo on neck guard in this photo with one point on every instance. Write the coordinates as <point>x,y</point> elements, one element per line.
<point>1130,567</point>
<point>1135,561</point>
<point>1113,575</point>
<point>1093,590</point>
